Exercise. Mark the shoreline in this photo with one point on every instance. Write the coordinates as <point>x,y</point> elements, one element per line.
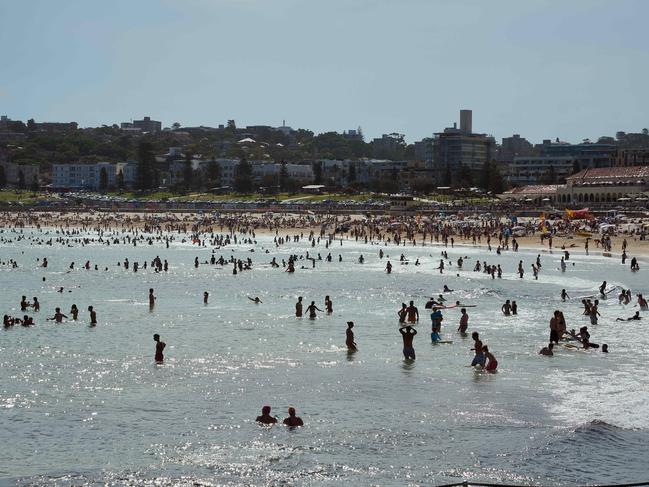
<point>292,223</point>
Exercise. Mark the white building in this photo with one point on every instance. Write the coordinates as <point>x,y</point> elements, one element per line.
<point>227,170</point>
<point>83,176</point>
<point>537,169</point>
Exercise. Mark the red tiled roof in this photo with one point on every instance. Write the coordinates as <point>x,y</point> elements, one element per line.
<point>612,173</point>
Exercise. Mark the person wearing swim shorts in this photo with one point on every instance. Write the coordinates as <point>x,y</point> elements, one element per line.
<point>408,333</point>
<point>479,358</point>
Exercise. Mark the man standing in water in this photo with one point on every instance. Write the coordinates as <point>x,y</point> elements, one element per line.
<point>408,333</point>
<point>412,312</point>
<point>464,322</point>
<point>152,299</point>
<point>58,316</point>
<point>93,316</point>
<point>265,417</point>
<point>159,347</point>
<point>292,419</point>
<point>351,345</point>
<point>298,307</point>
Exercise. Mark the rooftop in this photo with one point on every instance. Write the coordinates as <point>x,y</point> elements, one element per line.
<point>604,173</point>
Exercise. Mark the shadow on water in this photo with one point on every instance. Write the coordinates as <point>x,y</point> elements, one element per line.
<point>408,365</point>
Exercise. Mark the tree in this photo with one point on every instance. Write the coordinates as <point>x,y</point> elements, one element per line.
<point>485,176</point>
<point>188,171</point>
<point>464,176</point>
<point>31,125</point>
<point>103,179</point>
<point>496,182</point>
<point>145,170</point>
<point>317,172</point>
<point>21,179</point>
<point>283,177</point>
<point>243,178</point>
<point>645,131</point>
<point>550,176</point>
<point>232,125</point>
<point>120,180</point>
<point>213,174</point>
<point>447,177</point>
<point>352,172</point>
<point>576,167</point>
<point>175,126</point>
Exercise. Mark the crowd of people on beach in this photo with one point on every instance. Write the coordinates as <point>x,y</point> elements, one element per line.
<point>219,233</point>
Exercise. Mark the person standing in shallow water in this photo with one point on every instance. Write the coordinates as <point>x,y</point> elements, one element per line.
<point>292,419</point>
<point>265,417</point>
<point>312,309</point>
<point>152,299</point>
<point>351,345</point>
<point>298,307</point>
<point>93,316</point>
<point>159,348</point>
<point>408,333</point>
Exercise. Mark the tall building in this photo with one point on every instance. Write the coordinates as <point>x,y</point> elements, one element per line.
<point>514,146</point>
<point>456,147</point>
<point>466,121</point>
<point>424,151</point>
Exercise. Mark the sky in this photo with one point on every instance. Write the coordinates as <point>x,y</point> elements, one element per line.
<point>540,68</point>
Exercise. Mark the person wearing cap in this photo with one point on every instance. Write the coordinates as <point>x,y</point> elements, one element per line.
<point>292,419</point>
<point>351,345</point>
<point>265,417</point>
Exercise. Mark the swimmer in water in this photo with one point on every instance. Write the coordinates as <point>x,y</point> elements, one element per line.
<point>152,298</point>
<point>635,317</point>
<point>412,312</point>
<point>255,300</point>
<point>547,351</point>
<point>492,363</point>
<point>206,296</point>
<point>464,322</point>
<point>329,305</point>
<point>447,290</point>
<point>58,316</point>
<point>93,316</point>
<point>402,313</point>
<point>312,309</point>
<point>564,295</point>
<point>349,341</point>
<point>265,417</point>
<point>74,311</point>
<point>506,308</point>
<point>293,421</point>
<point>408,333</point>
<point>159,347</point>
<point>479,358</point>
<point>298,307</point>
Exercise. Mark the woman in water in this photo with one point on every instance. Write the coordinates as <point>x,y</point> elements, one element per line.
<point>492,363</point>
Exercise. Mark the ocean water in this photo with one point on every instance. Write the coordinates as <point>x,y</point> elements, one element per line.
<point>88,406</point>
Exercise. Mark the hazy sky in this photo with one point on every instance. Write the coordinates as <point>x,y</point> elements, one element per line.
<point>544,69</point>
